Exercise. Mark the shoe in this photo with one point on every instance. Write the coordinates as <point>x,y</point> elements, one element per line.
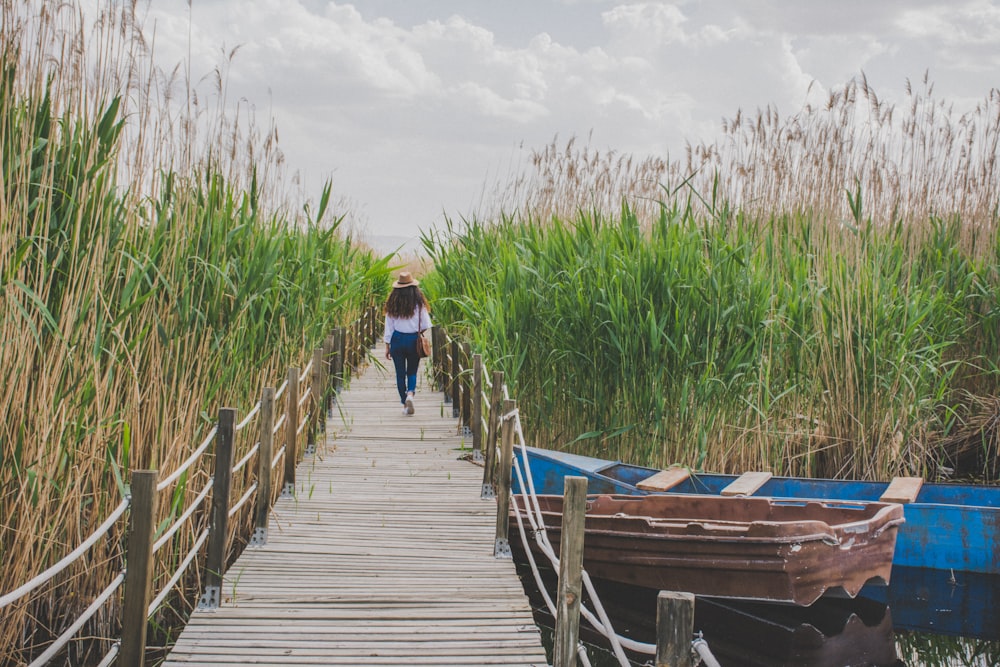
<point>406,413</point>
<point>409,404</point>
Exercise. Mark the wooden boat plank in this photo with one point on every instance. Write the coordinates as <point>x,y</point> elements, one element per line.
<point>902,490</point>
<point>664,480</point>
<point>747,484</point>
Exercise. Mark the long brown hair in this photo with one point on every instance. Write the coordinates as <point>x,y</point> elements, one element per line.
<point>403,301</point>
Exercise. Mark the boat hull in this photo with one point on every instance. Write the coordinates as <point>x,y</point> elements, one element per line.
<point>948,526</point>
<point>747,548</point>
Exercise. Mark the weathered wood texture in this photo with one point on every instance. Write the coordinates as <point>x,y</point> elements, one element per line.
<point>383,557</point>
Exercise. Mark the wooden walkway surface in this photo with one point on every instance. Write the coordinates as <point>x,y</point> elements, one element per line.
<point>384,557</point>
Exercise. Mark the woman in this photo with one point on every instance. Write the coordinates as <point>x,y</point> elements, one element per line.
<point>406,315</point>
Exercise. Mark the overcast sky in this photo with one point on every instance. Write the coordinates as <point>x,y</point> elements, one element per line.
<point>412,106</point>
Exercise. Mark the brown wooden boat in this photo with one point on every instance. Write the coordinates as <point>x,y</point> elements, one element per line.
<point>748,548</point>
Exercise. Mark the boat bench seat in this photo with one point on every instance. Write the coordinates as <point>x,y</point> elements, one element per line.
<point>902,490</point>
<point>664,480</point>
<point>746,484</point>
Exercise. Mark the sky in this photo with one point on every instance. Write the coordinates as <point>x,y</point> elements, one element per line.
<point>415,108</point>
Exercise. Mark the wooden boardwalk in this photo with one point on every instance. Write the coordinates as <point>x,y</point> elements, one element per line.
<point>384,557</point>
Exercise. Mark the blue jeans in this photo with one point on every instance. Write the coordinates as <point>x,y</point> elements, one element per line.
<point>403,350</point>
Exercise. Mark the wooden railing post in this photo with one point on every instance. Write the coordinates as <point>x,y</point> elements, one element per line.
<point>218,533</point>
<point>315,393</point>
<point>456,399</point>
<point>437,345</point>
<point>501,547</point>
<point>341,346</point>
<point>489,467</point>
<point>477,408</point>
<point>138,567</point>
<point>291,431</point>
<point>674,629</point>
<point>263,506</point>
<point>567,633</point>
<point>466,388</point>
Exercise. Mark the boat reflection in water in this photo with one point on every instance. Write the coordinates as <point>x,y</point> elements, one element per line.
<point>923,619</point>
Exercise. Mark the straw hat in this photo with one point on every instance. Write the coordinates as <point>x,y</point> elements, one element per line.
<point>405,280</point>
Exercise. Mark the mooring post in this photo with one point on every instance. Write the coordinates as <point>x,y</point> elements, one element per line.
<point>567,634</point>
<point>501,547</point>
<point>262,508</point>
<point>138,567</point>
<point>291,431</point>
<point>218,532</point>
<point>674,629</point>
<point>489,466</point>
<point>477,407</point>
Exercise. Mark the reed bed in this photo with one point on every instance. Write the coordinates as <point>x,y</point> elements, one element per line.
<point>152,271</point>
<point>814,295</point>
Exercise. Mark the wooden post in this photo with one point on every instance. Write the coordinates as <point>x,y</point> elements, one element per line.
<point>291,428</point>
<point>489,467</point>
<point>437,343</point>
<point>218,533</point>
<point>138,567</point>
<point>501,547</point>
<point>342,365</point>
<point>315,384</point>
<point>337,367</point>
<point>567,633</point>
<point>466,388</point>
<point>674,629</point>
<point>477,408</point>
<point>263,506</point>
<point>456,398</point>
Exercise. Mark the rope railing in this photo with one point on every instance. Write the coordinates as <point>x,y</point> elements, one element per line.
<point>69,559</point>
<point>63,639</point>
<point>246,420</point>
<point>325,368</point>
<point>175,526</point>
<point>189,461</point>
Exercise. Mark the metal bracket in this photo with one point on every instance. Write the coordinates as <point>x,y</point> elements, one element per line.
<point>456,412</point>
<point>487,493</point>
<point>311,448</point>
<point>210,598</point>
<point>477,456</point>
<point>467,431</point>
<point>288,491</point>
<point>259,537</point>
<point>501,549</point>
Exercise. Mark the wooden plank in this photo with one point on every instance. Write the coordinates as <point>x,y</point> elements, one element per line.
<point>664,480</point>
<point>746,484</point>
<point>902,490</point>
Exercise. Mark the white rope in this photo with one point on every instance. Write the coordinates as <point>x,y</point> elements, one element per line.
<point>183,517</point>
<point>305,396</point>
<point>109,659</point>
<point>64,638</point>
<point>242,501</point>
<point>305,371</point>
<point>37,581</point>
<point>277,426</point>
<point>302,426</point>
<point>600,622</point>
<point>246,420</point>
<point>277,457</point>
<point>245,459</point>
<point>190,460</point>
<point>177,575</point>
<point>281,390</point>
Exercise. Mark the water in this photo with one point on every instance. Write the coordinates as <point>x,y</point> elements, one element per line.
<point>926,618</point>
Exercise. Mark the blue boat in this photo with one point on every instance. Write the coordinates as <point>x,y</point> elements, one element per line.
<point>948,526</point>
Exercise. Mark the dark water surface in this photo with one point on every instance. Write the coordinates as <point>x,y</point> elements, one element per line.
<point>925,618</point>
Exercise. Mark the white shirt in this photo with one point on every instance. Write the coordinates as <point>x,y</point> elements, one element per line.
<point>418,321</point>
